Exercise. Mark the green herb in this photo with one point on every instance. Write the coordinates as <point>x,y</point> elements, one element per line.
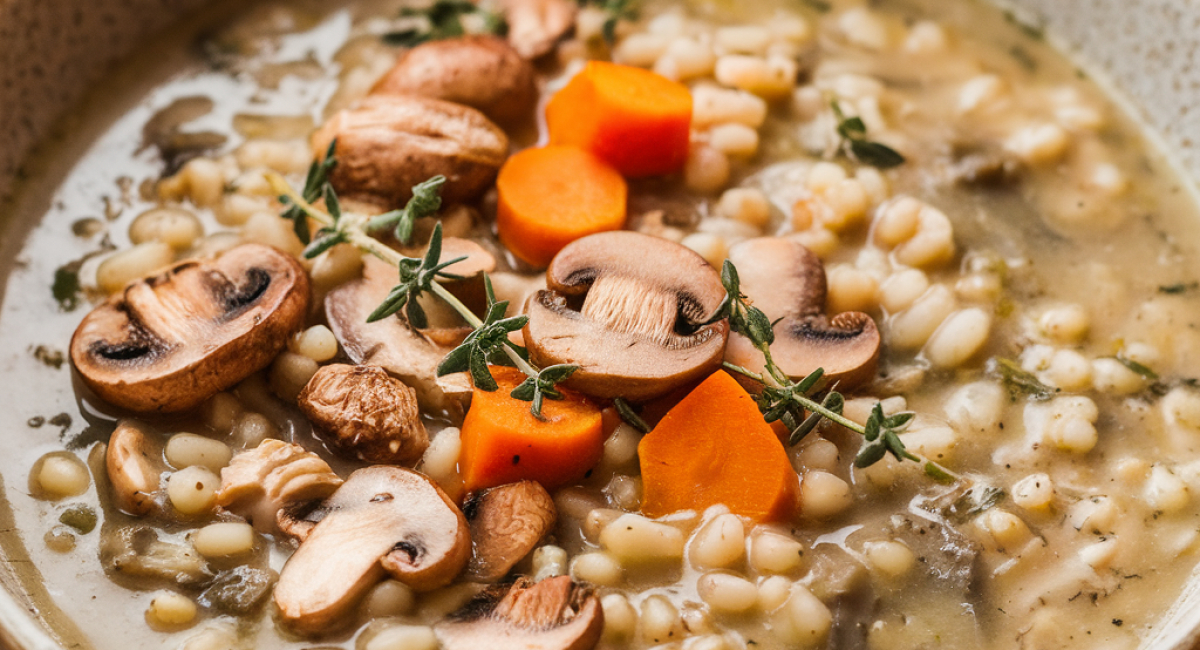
<point>1018,382</point>
<point>630,416</point>
<point>488,343</point>
<point>799,405</point>
<point>856,145</point>
<point>1137,367</point>
<point>314,187</point>
<point>48,356</point>
<point>1031,29</point>
<point>1024,58</point>
<point>443,19</point>
<point>974,502</point>
<point>819,5</point>
<point>615,11</point>
<point>425,201</point>
<point>1178,288</point>
<point>66,287</point>
<point>80,517</point>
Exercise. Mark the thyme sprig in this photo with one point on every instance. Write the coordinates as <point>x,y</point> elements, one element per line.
<point>426,201</point>
<point>487,344</point>
<point>855,144</point>
<point>614,12</point>
<point>801,405</point>
<point>443,19</point>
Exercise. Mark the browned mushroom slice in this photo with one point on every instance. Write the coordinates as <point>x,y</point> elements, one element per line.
<point>268,483</point>
<point>365,414</point>
<point>390,343</point>
<point>554,614</point>
<point>387,144</point>
<point>134,466</point>
<point>628,310</point>
<point>536,26</point>
<point>383,520</point>
<point>507,522</point>
<point>480,71</point>
<point>787,282</point>
<point>168,342</point>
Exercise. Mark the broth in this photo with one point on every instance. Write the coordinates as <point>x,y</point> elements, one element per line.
<point>1072,240</point>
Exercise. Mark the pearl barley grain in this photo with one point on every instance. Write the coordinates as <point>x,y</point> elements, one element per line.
<point>60,474</point>
<point>193,490</point>
<point>189,449</point>
<point>725,592</point>
<point>224,539</point>
<point>168,610</point>
<point>719,543</point>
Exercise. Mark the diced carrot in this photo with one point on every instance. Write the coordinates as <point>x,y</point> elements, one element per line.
<point>637,120</point>
<point>714,448</point>
<point>502,442</point>
<point>551,196</point>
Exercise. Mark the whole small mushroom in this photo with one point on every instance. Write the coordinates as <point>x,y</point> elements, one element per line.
<point>787,282</point>
<point>480,71</point>
<point>386,144</point>
<point>382,521</point>
<point>507,522</point>
<point>630,310</point>
<point>363,413</point>
<point>553,614</point>
<point>168,342</point>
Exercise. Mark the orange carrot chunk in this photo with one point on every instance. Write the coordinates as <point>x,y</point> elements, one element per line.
<point>635,119</point>
<point>714,448</point>
<point>551,196</point>
<point>503,443</point>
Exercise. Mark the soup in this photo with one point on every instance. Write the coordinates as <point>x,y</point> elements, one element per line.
<point>989,265</point>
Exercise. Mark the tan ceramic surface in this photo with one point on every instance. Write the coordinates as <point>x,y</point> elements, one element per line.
<point>52,50</point>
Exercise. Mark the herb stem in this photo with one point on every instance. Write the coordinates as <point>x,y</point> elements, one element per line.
<point>475,323</point>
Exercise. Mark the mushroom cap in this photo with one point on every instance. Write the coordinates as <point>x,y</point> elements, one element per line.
<point>478,70</point>
<point>383,520</point>
<point>787,282</point>
<point>266,483</point>
<point>390,343</point>
<point>627,309</point>
<point>168,342</point>
<point>507,522</point>
<point>554,614</point>
<point>365,414</point>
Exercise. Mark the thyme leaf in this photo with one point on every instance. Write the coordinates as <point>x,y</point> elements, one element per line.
<point>855,144</point>
<point>630,416</point>
<point>543,386</point>
<point>426,201</point>
<point>416,277</point>
<point>1018,381</point>
<point>315,184</point>
<point>443,19</point>
<point>1137,367</point>
<point>1178,288</point>
<point>615,11</point>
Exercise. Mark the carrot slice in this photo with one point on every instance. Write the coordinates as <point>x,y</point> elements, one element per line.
<point>714,448</point>
<point>637,120</point>
<point>551,196</point>
<point>503,443</point>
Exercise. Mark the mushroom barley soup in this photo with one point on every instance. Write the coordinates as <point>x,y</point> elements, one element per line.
<point>530,324</point>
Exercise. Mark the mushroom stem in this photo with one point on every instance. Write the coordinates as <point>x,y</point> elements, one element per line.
<point>353,225</point>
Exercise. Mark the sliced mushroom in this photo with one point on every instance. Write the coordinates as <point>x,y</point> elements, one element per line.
<point>134,466</point>
<point>365,414</point>
<point>628,309</point>
<point>554,614</point>
<point>446,327</point>
<point>480,71</point>
<point>787,282</point>
<point>384,520</point>
<point>390,343</point>
<point>507,522</point>
<point>268,484</point>
<point>170,341</point>
<point>386,144</point>
<point>136,552</point>
<point>536,26</point>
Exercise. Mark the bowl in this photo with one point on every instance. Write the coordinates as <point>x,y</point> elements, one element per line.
<point>53,55</point>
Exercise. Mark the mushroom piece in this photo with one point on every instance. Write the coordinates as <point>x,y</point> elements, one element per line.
<point>269,484</point>
<point>536,26</point>
<point>446,327</point>
<point>480,71</point>
<point>386,144</point>
<point>168,342</point>
<point>787,282</point>
<point>390,343</point>
<point>554,614</point>
<point>507,522</point>
<point>629,310</point>
<point>134,466</point>
<point>383,520</point>
<point>364,413</point>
